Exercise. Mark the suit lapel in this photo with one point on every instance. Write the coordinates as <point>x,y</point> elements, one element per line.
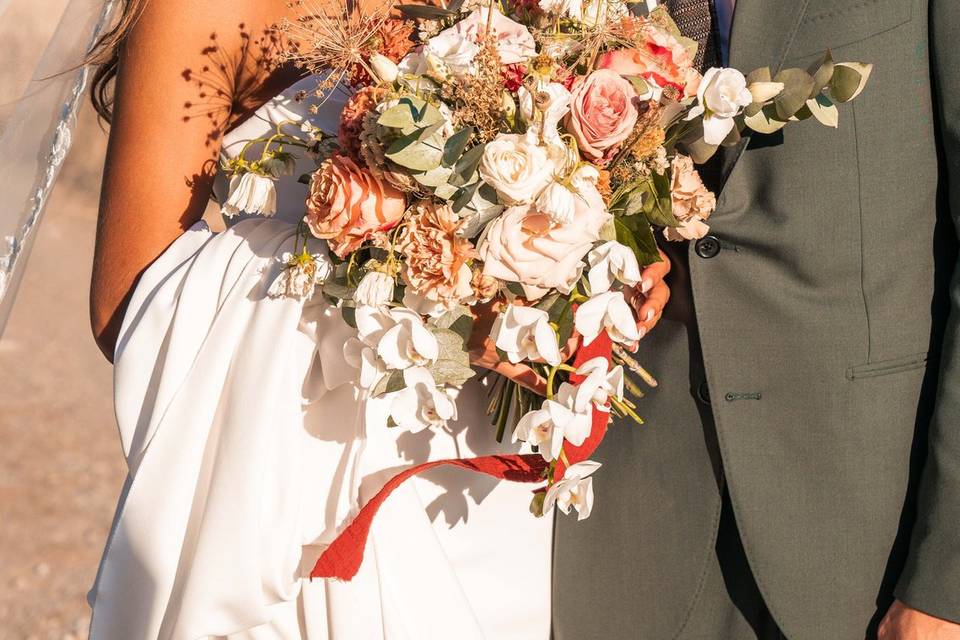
<point>762,33</point>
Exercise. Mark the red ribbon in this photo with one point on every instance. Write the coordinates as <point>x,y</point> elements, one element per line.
<point>341,560</point>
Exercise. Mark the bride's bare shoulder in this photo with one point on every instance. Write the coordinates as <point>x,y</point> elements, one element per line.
<point>228,52</point>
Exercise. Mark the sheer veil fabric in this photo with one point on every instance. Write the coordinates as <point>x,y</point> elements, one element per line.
<point>37,137</point>
<point>249,447</point>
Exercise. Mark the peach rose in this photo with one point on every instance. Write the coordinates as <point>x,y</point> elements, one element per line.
<point>659,58</point>
<point>692,202</point>
<point>602,112</point>
<point>523,246</point>
<point>347,204</point>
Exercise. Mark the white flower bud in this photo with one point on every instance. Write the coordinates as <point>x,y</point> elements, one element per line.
<point>374,290</point>
<point>557,201</point>
<point>252,193</point>
<point>384,68</point>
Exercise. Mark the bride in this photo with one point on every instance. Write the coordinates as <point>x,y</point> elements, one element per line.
<point>249,445</point>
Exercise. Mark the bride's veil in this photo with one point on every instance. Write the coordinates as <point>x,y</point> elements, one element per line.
<point>36,138</point>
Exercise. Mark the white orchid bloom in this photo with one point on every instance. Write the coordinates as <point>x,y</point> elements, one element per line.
<point>372,323</point>
<point>251,193</point>
<point>612,262</point>
<point>607,311</point>
<point>557,420</point>
<point>525,333</point>
<point>721,96</point>
<point>575,490</point>
<point>408,343</point>
<point>421,404</point>
<point>363,357</point>
<point>601,383</point>
<point>374,290</point>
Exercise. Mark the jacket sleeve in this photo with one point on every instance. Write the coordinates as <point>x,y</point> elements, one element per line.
<point>931,579</point>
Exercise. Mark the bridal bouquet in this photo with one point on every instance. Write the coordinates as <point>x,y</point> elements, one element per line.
<point>518,159</point>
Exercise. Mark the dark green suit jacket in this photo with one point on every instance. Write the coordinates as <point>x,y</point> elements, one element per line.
<point>810,364</point>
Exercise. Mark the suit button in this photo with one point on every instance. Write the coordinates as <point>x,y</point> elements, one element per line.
<point>703,393</point>
<point>707,247</point>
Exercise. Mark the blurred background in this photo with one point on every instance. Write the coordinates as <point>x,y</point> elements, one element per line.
<point>61,467</point>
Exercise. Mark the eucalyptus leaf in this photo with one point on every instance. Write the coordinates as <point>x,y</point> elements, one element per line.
<point>849,79</point>
<point>797,85</point>
<point>759,75</point>
<point>662,213</point>
<point>765,120</point>
<point>453,363</point>
<point>339,291</point>
<point>699,150</point>
<point>397,116</point>
<point>429,134</point>
<point>640,86</point>
<point>421,12</point>
<point>466,167</point>
<point>464,197</point>
<point>824,110</point>
<point>446,191</point>
<point>408,151</point>
<point>821,71</point>
<point>389,384</point>
<point>455,146</point>
<point>435,177</point>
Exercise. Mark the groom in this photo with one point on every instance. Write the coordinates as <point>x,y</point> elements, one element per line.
<point>798,475</point>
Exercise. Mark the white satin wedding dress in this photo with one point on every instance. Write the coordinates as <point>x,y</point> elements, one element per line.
<point>249,447</point>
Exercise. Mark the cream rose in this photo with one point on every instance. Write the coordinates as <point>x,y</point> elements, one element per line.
<point>721,96</point>
<point>523,246</point>
<point>516,167</point>
<point>602,112</point>
<point>347,204</point>
<point>691,201</point>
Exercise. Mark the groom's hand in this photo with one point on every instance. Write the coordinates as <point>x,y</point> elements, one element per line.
<point>905,623</point>
<point>651,295</point>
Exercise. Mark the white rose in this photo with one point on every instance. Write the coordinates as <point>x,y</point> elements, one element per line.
<point>575,490</point>
<point>374,290</point>
<point>612,262</point>
<point>607,311</point>
<point>721,96</point>
<point>524,333</point>
<point>516,167</point>
<point>250,193</point>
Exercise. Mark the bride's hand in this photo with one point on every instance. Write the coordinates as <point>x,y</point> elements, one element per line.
<point>483,352</point>
<point>651,295</point>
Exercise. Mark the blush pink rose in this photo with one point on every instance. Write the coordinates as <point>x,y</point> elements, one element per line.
<point>660,59</point>
<point>523,245</point>
<point>602,112</point>
<point>347,204</point>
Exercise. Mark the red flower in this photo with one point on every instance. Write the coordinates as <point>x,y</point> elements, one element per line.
<point>513,75</point>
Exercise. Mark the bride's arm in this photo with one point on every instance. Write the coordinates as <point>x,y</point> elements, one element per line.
<point>187,70</point>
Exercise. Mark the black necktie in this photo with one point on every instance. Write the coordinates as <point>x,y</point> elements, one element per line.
<point>697,20</point>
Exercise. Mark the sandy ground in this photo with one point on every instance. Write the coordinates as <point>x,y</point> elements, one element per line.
<point>61,467</point>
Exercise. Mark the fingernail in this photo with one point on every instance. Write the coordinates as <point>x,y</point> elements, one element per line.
<point>646,285</point>
<point>642,332</point>
<point>649,316</point>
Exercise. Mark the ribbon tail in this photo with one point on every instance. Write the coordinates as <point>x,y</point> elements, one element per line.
<point>342,559</point>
